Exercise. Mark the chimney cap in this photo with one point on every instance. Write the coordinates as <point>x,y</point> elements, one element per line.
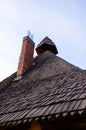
<point>28,38</point>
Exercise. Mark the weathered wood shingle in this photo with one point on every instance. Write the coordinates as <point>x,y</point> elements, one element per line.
<point>51,86</point>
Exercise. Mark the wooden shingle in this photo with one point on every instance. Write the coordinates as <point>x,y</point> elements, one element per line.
<point>51,86</point>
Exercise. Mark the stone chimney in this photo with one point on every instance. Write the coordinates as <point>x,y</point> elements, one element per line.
<point>26,57</point>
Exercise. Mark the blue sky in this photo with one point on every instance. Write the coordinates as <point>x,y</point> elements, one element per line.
<point>64,21</point>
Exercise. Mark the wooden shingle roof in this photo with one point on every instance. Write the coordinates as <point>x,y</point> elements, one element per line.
<point>52,86</point>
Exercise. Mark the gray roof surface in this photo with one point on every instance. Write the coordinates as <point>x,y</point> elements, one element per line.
<point>50,87</point>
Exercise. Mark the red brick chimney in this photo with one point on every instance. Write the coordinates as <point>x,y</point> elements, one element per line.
<point>26,57</point>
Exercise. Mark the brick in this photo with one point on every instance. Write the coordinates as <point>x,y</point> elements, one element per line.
<point>26,57</point>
